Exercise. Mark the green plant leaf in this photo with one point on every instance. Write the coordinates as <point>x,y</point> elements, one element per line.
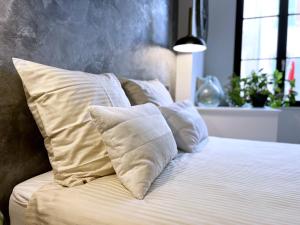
<point>240,89</point>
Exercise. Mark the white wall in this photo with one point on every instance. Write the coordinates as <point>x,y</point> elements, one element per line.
<point>221,37</point>
<point>289,125</point>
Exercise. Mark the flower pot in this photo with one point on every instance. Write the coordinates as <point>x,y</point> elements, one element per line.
<point>258,100</point>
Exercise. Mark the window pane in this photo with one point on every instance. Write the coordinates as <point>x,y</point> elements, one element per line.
<point>248,66</point>
<point>293,39</point>
<point>296,75</point>
<point>294,6</point>
<point>260,38</point>
<point>259,8</point>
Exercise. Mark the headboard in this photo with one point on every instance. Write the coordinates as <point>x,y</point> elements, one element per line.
<point>128,38</point>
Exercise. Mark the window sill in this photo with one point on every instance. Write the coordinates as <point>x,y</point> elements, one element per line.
<point>242,123</point>
<point>240,110</point>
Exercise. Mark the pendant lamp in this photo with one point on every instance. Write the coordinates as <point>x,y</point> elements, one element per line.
<point>190,43</point>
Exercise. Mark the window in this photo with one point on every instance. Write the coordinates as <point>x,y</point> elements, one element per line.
<point>268,38</point>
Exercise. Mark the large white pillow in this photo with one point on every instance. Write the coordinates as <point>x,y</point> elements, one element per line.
<point>59,101</point>
<point>142,91</point>
<point>187,125</point>
<point>138,141</point>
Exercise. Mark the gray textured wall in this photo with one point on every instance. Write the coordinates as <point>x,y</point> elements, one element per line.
<point>126,37</point>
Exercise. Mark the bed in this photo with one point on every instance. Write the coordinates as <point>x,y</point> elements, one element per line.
<point>22,193</point>
<point>229,182</point>
<point>77,35</point>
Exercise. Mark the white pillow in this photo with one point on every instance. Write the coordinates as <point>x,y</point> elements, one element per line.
<point>59,100</point>
<point>187,125</point>
<point>138,141</point>
<point>141,92</point>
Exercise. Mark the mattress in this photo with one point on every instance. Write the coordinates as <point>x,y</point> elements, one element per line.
<point>229,182</point>
<point>21,195</point>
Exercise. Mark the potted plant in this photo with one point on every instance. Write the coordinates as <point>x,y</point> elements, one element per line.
<point>256,88</point>
<point>234,92</point>
<point>259,89</point>
<point>277,98</point>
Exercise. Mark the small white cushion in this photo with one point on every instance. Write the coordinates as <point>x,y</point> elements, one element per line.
<point>138,141</point>
<point>141,92</point>
<point>187,125</point>
<point>59,100</point>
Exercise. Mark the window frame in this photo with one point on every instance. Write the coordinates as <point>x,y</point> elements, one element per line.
<point>281,43</point>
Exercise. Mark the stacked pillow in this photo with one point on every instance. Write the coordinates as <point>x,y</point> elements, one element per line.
<point>90,130</point>
<point>139,143</point>
<point>188,127</point>
<point>141,92</point>
<point>59,101</point>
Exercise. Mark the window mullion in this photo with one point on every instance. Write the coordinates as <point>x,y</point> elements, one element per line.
<point>238,36</point>
<point>282,36</point>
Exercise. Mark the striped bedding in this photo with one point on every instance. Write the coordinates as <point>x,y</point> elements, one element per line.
<point>229,182</point>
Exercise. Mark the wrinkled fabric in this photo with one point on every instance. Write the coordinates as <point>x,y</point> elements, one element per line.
<point>229,182</point>
<point>59,100</point>
<point>138,141</point>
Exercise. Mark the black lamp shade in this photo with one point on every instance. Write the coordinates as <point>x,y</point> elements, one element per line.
<point>190,44</point>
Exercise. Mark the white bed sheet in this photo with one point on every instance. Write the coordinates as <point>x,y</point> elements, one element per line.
<point>229,182</point>
<point>21,195</point>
